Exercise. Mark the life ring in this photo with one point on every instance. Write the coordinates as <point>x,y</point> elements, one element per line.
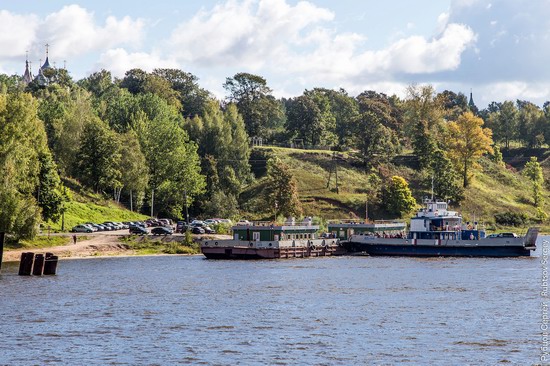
<point>251,245</point>
<point>216,243</point>
<point>205,243</point>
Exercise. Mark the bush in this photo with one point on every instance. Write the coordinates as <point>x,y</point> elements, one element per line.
<point>511,219</point>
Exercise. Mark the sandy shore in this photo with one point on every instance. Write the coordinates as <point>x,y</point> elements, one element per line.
<point>100,245</point>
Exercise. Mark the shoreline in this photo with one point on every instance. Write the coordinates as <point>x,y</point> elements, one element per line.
<point>99,246</point>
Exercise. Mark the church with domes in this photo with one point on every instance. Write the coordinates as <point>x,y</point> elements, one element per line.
<point>45,72</point>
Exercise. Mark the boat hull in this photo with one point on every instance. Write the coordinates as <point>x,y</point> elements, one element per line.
<point>235,252</point>
<point>487,247</point>
<point>439,251</point>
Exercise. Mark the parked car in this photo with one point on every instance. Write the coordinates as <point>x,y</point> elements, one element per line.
<point>211,221</point>
<point>197,230</point>
<point>165,222</point>
<point>91,226</point>
<point>136,229</point>
<point>81,229</point>
<point>243,223</point>
<point>161,230</point>
<point>208,230</point>
<point>197,223</point>
<point>109,226</point>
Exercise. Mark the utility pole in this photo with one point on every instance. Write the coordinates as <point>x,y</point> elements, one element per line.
<point>63,209</point>
<point>336,173</point>
<point>152,200</point>
<point>367,210</point>
<point>185,203</point>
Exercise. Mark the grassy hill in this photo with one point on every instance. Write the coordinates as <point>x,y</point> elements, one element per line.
<point>85,206</point>
<point>495,189</point>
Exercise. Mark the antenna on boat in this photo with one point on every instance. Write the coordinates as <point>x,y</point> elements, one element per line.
<point>432,187</point>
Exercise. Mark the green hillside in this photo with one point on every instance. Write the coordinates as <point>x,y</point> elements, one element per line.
<point>495,189</point>
<point>85,206</point>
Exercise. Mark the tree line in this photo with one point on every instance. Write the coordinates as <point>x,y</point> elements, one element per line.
<point>157,142</point>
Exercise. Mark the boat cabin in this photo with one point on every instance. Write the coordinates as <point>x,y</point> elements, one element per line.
<point>343,229</point>
<point>273,232</point>
<point>435,221</point>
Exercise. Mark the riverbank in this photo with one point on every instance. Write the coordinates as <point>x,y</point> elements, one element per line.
<point>92,246</point>
<point>115,245</point>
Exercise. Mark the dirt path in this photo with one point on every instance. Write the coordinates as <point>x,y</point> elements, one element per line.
<point>100,245</point>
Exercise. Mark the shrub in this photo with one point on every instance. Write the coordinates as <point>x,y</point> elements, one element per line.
<point>511,219</point>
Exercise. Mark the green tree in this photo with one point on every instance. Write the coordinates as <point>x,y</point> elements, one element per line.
<point>98,158</point>
<point>157,85</point>
<point>506,123</point>
<point>529,122</point>
<point>173,162</point>
<point>282,189</point>
<point>48,191</point>
<point>344,108</point>
<point>423,115</point>
<point>192,97</point>
<point>65,113</point>
<point>133,168</point>
<point>444,178</point>
<point>254,101</point>
<point>22,142</point>
<point>398,197</point>
<point>376,142</point>
<point>467,142</point>
<point>134,80</point>
<point>305,120</point>
<point>98,83</point>
<point>533,171</point>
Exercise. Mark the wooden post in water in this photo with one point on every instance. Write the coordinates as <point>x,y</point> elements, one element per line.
<point>50,264</point>
<point>25,267</point>
<point>38,267</point>
<point>2,236</point>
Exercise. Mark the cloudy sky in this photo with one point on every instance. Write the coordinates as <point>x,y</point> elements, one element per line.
<point>498,48</point>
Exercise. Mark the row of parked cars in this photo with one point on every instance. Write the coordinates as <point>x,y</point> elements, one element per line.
<point>91,227</point>
<point>158,226</point>
<point>198,226</point>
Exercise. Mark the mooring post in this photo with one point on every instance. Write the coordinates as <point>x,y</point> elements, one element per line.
<point>2,236</point>
<point>25,267</point>
<point>38,267</point>
<point>50,264</point>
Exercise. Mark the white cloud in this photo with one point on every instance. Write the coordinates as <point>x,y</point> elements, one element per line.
<point>17,33</point>
<point>73,31</point>
<point>118,61</point>
<point>300,43</point>
<point>249,32</point>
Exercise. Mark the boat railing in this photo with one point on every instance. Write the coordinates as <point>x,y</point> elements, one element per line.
<point>363,221</point>
<point>274,224</point>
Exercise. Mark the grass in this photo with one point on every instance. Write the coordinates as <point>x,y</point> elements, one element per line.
<point>494,189</point>
<point>41,241</point>
<point>144,245</point>
<point>85,206</point>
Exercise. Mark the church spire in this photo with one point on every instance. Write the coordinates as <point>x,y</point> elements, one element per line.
<point>471,102</point>
<point>27,76</point>
<point>47,62</point>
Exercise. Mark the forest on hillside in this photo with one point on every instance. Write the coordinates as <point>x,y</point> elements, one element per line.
<point>157,142</point>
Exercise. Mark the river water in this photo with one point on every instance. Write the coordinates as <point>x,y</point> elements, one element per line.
<point>171,310</point>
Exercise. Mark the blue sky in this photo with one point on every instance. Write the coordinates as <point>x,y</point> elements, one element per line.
<point>498,48</point>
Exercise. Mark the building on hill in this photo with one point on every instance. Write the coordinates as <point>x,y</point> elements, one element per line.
<point>45,72</point>
<point>27,76</point>
<point>472,105</point>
